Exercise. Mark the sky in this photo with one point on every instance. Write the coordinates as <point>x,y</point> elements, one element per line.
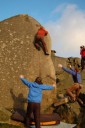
<point>64,20</point>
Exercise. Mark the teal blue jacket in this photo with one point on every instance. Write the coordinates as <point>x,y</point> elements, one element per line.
<point>35,90</point>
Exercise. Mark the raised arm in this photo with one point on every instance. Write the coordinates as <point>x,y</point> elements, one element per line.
<point>26,82</point>
<point>70,71</point>
<point>48,87</point>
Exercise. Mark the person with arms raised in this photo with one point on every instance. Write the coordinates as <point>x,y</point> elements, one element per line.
<point>34,99</point>
<point>75,73</point>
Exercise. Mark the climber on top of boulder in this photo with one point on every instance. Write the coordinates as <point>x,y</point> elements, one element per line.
<point>39,40</point>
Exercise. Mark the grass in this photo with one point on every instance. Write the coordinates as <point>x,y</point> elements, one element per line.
<point>2,125</point>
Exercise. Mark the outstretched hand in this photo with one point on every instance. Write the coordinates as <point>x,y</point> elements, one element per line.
<point>60,65</point>
<point>54,85</point>
<point>21,76</point>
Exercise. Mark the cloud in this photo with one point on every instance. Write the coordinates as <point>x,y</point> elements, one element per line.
<point>68,31</point>
<point>59,8</point>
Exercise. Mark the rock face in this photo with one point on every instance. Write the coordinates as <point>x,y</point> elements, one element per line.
<point>19,56</point>
<point>65,79</point>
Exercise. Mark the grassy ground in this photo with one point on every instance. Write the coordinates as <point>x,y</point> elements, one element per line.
<point>8,126</point>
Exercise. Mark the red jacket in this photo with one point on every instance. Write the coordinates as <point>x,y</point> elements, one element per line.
<point>42,32</point>
<point>82,52</point>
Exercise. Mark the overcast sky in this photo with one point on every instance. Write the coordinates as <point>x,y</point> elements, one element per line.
<point>64,19</point>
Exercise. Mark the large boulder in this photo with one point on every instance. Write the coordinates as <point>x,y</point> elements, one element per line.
<point>19,56</point>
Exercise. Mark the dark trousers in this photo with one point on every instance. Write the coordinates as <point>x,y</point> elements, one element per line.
<point>39,42</point>
<point>35,109</point>
<point>82,62</point>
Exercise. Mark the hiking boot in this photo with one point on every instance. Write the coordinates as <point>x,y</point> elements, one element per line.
<point>38,48</point>
<point>46,53</point>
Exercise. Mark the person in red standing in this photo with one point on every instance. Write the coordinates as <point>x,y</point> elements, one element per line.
<point>82,53</point>
<point>39,39</point>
